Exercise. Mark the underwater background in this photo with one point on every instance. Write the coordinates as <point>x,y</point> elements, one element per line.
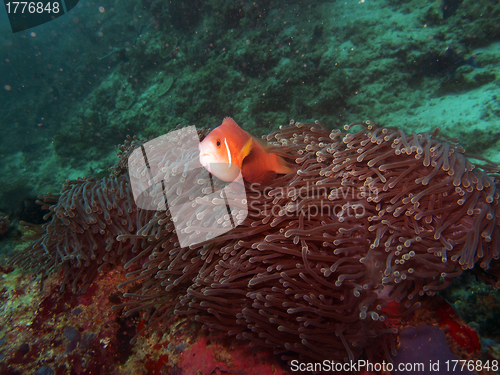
<point>72,89</point>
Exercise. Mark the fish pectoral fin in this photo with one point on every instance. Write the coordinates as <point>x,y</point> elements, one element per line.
<point>245,150</point>
<point>283,167</point>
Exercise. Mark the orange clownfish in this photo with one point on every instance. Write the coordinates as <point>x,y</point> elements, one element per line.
<point>228,149</point>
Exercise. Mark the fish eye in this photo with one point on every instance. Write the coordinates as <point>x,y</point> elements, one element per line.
<point>218,143</point>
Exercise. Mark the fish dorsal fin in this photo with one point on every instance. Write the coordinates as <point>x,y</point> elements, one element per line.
<point>229,121</point>
<point>245,150</point>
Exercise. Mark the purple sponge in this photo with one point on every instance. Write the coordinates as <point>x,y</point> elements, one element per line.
<point>426,346</point>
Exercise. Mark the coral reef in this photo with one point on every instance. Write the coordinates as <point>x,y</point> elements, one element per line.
<point>60,332</point>
<point>476,303</point>
<point>45,332</point>
<point>4,223</point>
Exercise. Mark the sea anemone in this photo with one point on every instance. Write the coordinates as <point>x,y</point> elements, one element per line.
<point>80,236</point>
<point>368,218</point>
<point>305,265</point>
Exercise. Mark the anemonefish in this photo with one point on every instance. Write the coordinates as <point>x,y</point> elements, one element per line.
<point>229,149</point>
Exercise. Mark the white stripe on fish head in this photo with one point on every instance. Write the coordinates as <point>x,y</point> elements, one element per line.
<point>228,152</point>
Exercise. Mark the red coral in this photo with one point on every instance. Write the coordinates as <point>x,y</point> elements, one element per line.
<point>156,367</point>
<point>86,299</point>
<point>211,356</point>
<point>461,334</point>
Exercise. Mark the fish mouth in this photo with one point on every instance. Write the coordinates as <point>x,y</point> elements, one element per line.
<point>205,161</point>
<point>203,158</point>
